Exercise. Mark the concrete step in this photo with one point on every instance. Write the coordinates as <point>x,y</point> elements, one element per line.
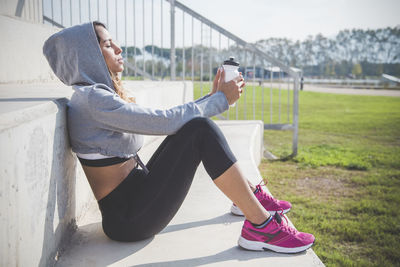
<point>203,232</point>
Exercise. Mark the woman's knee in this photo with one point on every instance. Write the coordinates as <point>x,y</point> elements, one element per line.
<point>126,232</point>
<point>200,129</point>
<point>200,123</point>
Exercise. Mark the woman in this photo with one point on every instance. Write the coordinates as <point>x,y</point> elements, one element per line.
<point>106,128</point>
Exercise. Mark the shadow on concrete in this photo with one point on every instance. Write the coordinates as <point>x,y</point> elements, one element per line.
<point>235,254</point>
<point>226,218</point>
<point>94,248</point>
<point>61,191</point>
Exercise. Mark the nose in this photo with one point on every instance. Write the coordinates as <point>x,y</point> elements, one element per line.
<point>117,49</point>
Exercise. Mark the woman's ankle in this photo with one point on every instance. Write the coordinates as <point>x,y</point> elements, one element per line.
<point>263,224</point>
<point>259,220</point>
<point>252,187</point>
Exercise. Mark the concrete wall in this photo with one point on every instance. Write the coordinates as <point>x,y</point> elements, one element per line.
<point>37,185</point>
<point>43,190</point>
<point>21,56</point>
<point>31,10</point>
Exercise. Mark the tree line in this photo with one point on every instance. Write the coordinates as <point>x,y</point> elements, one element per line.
<point>354,53</point>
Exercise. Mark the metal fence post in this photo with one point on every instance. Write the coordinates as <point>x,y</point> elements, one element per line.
<point>126,42</point>
<point>183,46</point>
<point>161,45</point>
<point>144,39</point>
<point>134,36</point>
<point>173,74</point>
<point>152,39</point>
<point>70,11</point>
<point>192,49</point>
<point>201,59</point>
<point>295,114</point>
<point>20,6</point>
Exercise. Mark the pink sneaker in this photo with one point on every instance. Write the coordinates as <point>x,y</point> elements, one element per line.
<point>276,236</point>
<point>271,204</point>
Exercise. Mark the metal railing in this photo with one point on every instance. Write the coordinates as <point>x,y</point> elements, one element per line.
<point>184,45</point>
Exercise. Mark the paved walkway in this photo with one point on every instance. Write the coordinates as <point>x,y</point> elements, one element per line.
<point>350,91</point>
<point>333,90</point>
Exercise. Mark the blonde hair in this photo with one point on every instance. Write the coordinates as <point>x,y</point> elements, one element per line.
<point>119,88</point>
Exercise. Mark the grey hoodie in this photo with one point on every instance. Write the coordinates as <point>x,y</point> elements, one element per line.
<point>99,121</point>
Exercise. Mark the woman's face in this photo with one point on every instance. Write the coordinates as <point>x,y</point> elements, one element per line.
<point>110,50</point>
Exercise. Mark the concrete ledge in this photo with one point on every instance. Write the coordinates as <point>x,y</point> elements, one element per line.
<point>43,190</point>
<point>203,232</point>
<point>37,189</point>
<point>22,60</point>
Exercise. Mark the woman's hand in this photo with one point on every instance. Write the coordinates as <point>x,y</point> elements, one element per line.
<point>232,89</point>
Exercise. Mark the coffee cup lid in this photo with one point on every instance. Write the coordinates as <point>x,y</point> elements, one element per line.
<point>231,61</point>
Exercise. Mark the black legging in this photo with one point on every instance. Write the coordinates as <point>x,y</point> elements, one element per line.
<point>142,205</point>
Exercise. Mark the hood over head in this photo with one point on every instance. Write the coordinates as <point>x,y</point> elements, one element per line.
<point>75,57</point>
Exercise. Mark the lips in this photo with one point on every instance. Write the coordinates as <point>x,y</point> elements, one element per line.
<point>120,60</point>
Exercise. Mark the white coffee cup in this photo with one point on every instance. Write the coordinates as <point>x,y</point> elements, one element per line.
<point>231,69</point>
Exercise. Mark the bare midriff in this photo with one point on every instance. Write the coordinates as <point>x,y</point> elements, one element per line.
<point>103,180</point>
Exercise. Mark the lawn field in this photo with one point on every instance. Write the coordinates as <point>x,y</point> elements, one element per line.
<point>344,183</point>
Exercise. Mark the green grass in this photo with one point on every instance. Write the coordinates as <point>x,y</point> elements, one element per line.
<point>344,183</point>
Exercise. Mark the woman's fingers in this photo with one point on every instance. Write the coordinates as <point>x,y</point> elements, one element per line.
<point>238,79</point>
<point>222,75</point>
<point>218,74</point>
<point>216,81</point>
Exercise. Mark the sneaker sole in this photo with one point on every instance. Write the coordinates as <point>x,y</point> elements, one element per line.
<point>261,246</point>
<point>236,211</point>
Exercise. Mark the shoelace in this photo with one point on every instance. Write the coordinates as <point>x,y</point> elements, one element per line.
<point>285,227</point>
<point>263,182</point>
<point>266,196</point>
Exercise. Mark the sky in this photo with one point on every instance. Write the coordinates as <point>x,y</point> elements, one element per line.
<point>253,20</point>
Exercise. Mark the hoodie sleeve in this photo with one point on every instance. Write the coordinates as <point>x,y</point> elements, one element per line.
<point>202,98</point>
<point>113,113</point>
